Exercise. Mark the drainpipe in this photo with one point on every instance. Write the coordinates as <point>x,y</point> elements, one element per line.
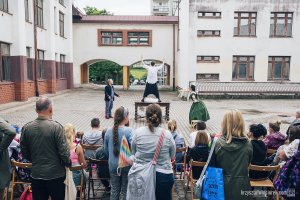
<point>36,86</point>
<point>174,57</point>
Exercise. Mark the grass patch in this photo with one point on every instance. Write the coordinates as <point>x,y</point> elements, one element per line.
<point>138,73</point>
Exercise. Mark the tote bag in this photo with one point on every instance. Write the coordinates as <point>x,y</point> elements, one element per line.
<point>210,185</point>
<point>70,189</point>
<point>125,157</point>
<point>27,194</point>
<point>142,178</point>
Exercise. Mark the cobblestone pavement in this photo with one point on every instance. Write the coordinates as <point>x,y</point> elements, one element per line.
<point>80,105</point>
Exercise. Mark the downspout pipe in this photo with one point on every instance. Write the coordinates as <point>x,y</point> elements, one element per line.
<point>36,85</point>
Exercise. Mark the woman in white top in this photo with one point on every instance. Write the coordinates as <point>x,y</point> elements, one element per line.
<point>144,142</point>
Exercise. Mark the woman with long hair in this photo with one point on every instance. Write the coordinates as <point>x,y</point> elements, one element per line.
<point>233,153</point>
<point>112,142</point>
<point>76,153</point>
<point>144,143</point>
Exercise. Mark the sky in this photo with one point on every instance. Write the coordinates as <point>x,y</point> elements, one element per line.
<point>118,7</point>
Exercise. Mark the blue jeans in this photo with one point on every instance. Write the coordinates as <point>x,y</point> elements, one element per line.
<point>118,186</point>
<point>164,184</point>
<point>108,107</point>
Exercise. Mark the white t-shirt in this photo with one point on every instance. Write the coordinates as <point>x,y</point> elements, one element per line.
<point>152,73</point>
<point>193,136</point>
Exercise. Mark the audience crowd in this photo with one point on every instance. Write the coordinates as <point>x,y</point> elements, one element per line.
<point>52,147</point>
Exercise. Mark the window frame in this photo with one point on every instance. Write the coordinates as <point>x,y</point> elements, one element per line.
<point>214,59</point>
<point>286,18</point>
<point>272,61</point>
<point>41,64</point>
<point>236,61</point>
<point>39,18</point>
<point>4,5</point>
<point>111,38</point>
<point>29,64</point>
<point>201,33</point>
<point>239,18</point>
<point>214,14</point>
<point>61,24</point>
<point>5,71</point>
<point>62,2</point>
<point>26,7</point>
<point>138,38</point>
<point>62,62</point>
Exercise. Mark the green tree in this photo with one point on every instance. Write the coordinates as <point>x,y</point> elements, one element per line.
<point>103,70</point>
<point>95,11</point>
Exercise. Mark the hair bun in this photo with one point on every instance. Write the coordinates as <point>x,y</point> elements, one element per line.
<point>278,123</point>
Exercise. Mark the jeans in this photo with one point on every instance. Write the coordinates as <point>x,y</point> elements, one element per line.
<point>164,184</point>
<point>108,107</point>
<point>42,189</point>
<point>118,186</point>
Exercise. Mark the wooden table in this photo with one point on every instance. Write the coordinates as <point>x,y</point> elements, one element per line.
<point>144,104</point>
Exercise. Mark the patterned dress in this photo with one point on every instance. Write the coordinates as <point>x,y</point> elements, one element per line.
<point>198,109</point>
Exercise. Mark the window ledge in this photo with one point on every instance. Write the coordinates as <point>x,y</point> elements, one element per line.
<point>279,80</point>
<point>41,28</point>
<point>62,37</point>
<point>138,45</point>
<point>112,45</point>
<point>281,36</point>
<point>244,36</point>
<point>240,80</point>
<point>209,17</point>
<point>29,22</point>
<point>6,82</point>
<point>208,61</point>
<point>4,11</point>
<point>208,36</point>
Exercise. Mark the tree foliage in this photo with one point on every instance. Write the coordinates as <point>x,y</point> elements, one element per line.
<point>95,11</point>
<point>103,70</point>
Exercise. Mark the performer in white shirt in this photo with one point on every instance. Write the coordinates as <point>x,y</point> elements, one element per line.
<point>151,82</point>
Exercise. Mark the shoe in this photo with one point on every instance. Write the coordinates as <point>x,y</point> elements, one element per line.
<point>110,117</point>
<point>106,117</point>
<point>159,100</point>
<point>142,100</point>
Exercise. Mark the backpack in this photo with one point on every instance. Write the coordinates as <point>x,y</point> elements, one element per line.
<point>288,181</point>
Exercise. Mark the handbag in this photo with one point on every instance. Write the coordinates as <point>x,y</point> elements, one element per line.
<point>142,178</point>
<point>210,185</point>
<point>70,189</point>
<point>26,194</point>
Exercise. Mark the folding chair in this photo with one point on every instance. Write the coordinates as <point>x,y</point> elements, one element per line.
<point>14,180</point>
<point>267,182</point>
<point>271,152</point>
<point>180,150</point>
<point>94,177</point>
<point>191,178</point>
<point>81,187</point>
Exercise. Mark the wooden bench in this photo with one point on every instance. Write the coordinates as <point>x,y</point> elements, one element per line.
<point>145,104</point>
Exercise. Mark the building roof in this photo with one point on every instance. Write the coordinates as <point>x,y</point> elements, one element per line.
<point>127,19</point>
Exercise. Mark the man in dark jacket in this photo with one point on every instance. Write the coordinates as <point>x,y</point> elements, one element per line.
<point>7,134</point>
<point>109,98</point>
<point>43,142</point>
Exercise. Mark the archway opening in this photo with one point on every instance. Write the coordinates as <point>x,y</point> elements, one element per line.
<point>98,71</point>
<point>138,74</point>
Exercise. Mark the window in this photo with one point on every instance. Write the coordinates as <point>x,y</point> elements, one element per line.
<point>208,59</point>
<point>281,24</point>
<point>245,24</point>
<point>26,5</point>
<point>208,33</point>
<point>41,66</point>
<point>111,38</point>
<point>55,21</point>
<point>62,2</point>
<point>4,65</point>
<point>39,19</point>
<point>4,5</point>
<point>207,77</point>
<point>138,38</point>
<point>209,14</point>
<point>279,68</point>
<point>61,24</point>
<point>29,65</point>
<point>62,66</point>
<point>243,68</point>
